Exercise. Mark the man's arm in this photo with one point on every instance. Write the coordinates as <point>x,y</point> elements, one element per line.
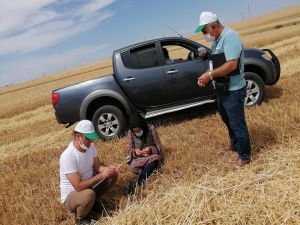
<point>80,185</point>
<point>221,71</point>
<point>97,164</point>
<point>226,68</point>
<point>102,173</point>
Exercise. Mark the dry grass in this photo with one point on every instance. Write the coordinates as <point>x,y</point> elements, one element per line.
<point>31,101</point>
<point>197,184</point>
<point>263,193</point>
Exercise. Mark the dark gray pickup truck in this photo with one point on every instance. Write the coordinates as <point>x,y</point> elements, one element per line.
<point>153,78</point>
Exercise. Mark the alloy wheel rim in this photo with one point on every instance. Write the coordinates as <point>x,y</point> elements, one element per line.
<point>252,93</point>
<point>108,124</point>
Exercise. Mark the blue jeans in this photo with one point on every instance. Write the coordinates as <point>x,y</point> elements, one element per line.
<point>231,108</point>
<point>146,172</point>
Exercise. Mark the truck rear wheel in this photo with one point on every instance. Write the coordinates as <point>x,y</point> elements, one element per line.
<point>109,122</point>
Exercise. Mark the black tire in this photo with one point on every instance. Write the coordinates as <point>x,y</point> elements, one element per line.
<point>255,89</point>
<point>109,122</point>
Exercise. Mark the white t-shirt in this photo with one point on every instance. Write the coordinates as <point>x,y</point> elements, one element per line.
<point>72,161</point>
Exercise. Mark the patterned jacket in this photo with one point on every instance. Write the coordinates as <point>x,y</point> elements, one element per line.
<point>152,141</point>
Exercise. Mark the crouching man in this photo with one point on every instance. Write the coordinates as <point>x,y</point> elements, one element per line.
<point>82,177</point>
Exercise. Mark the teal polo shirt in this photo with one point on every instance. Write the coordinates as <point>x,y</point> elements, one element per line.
<point>231,45</point>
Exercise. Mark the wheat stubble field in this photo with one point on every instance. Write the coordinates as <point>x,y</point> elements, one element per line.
<point>197,184</point>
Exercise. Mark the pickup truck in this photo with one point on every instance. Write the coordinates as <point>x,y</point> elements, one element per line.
<point>152,78</point>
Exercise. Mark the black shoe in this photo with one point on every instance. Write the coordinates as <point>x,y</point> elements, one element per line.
<point>97,207</point>
<point>96,211</point>
<point>130,188</point>
<point>84,221</point>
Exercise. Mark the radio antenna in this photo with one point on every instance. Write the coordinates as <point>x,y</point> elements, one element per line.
<point>174,31</point>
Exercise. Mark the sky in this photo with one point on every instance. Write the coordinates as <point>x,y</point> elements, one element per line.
<point>42,37</point>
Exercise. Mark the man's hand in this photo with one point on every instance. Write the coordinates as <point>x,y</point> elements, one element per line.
<point>108,171</point>
<point>203,79</point>
<point>221,71</point>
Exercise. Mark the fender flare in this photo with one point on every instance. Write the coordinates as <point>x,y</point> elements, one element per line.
<point>103,93</point>
<point>263,66</point>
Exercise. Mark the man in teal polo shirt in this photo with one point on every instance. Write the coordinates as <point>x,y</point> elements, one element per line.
<point>231,102</point>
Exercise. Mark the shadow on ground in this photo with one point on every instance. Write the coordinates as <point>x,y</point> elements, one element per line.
<point>273,92</point>
<point>262,137</point>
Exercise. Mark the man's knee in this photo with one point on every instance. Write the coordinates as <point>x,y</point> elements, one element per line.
<point>89,195</point>
<point>80,201</point>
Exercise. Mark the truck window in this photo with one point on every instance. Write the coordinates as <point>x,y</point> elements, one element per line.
<point>141,57</point>
<point>178,51</point>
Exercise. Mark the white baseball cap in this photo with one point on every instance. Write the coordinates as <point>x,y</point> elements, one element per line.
<point>86,128</point>
<point>204,19</point>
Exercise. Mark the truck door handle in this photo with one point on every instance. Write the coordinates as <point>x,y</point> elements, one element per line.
<point>128,79</point>
<point>172,71</point>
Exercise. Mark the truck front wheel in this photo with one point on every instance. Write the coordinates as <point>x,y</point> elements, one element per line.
<point>255,89</point>
<point>109,122</point>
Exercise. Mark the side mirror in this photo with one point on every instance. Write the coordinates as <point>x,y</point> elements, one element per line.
<point>202,52</point>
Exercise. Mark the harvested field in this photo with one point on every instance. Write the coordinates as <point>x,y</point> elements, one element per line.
<point>197,184</point>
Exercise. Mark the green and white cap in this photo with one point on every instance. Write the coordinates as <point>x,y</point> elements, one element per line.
<point>204,19</point>
<point>86,128</point>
